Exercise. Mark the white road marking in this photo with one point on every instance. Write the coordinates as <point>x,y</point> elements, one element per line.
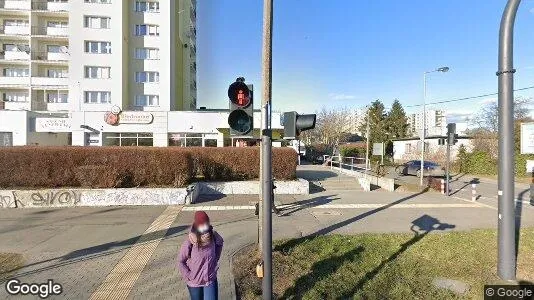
<point>123,276</point>
<point>335,206</point>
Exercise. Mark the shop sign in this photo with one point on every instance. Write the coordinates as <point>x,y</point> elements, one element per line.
<point>135,118</point>
<point>53,124</point>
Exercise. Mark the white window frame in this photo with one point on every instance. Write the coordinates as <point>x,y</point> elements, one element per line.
<point>57,73</point>
<point>147,77</point>
<point>16,97</point>
<point>99,97</point>
<point>146,101</point>
<point>147,53</point>
<point>149,30</point>
<point>16,72</point>
<point>57,97</point>
<point>97,22</point>
<point>102,47</point>
<point>146,6</point>
<point>97,72</point>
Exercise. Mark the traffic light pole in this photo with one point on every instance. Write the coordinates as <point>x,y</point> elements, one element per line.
<point>506,266</point>
<point>447,167</point>
<point>266,155</point>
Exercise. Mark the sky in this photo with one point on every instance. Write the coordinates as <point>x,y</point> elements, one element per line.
<point>347,53</point>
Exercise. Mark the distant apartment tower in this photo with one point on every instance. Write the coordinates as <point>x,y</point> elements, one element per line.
<point>436,123</point>
<point>90,55</point>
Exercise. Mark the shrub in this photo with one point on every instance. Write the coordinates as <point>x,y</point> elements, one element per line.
<point>353,150</point>
<point>122,167</point>
<point>104,167</point>
<point>481,163</point>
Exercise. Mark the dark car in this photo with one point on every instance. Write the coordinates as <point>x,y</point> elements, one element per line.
<point>413,167</point>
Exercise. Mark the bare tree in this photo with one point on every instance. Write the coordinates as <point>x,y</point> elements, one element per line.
<point>329,128</point>
<point>488,117</point>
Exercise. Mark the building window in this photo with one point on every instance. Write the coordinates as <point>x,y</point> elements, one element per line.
<point>96,22</point>
<point>146,77</point>
<point>16,72</point>
<point>56,49</point>
<point>127,139</point>
<point>185,139</point>
<point>16,97</point>
<point>92,72</point>
<point>95,47</point>
<point>24,23</point>
<point>144,29</point>
<point>147,6</point>
<point>146,100</point>
<point>6,139</point>
<point>57,24</point>
<point>97,97</point>
<point>147,53</point>
<point>59,97</point>
<point>408,148</point>
<point>98,1</point>
<point>57,73</point>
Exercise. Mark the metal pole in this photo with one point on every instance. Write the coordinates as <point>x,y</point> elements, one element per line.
<point>267,177</point>
<point>447,166</point>
<point>367,134</point>
<point>423,132</point>
<point>506,266</point>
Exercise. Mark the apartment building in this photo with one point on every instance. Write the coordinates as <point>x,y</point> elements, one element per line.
<point>78,60</point>
<point>436,123</point>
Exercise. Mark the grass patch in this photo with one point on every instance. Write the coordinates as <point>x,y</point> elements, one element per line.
<point>381,266</point>
<point>8,263</point>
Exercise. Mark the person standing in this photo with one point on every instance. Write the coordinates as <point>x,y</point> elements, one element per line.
<point>198,259</point>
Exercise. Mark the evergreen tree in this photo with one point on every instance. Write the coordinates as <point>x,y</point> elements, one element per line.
<point>397,125</point>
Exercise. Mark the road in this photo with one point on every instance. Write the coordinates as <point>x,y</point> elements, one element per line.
<point>130,252</point>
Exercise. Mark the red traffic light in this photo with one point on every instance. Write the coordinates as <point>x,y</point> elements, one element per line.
<point>239,94</point>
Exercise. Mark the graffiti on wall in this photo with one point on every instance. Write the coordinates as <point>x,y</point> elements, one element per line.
<point>54,198</point>
<point>8,199</point>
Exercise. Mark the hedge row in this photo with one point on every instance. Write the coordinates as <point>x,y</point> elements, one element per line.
<point>108,167</point>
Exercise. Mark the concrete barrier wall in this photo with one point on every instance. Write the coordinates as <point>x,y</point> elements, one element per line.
<point>297,187</point>
<point>74,197</point>
<point>387,184</point>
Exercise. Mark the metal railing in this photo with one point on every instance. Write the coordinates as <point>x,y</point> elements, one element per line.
<point>46,5</point>
<point>15,4</point>
<point>351,163</point>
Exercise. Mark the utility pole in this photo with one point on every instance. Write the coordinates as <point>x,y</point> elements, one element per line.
<point>423,133</point>
<point>266,144</point>
<point>506,266</point>
<point>367,135</point>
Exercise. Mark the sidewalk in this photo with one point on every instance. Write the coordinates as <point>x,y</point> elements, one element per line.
<point>135,248</point>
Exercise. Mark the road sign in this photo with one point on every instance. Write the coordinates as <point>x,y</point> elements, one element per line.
<point>527,138</point>
<point>378,149</point>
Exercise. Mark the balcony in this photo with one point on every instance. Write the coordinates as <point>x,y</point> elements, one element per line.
<point>50,56</point>
<point>14,30</point>
<point>6,81</point>
<point>49,81</point>
<point>50,6</point>
<point>14,55</point>
<point>15,4</point>
<point>16,105</point>
<point>57,31</point>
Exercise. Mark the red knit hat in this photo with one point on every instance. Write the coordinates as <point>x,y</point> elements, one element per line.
<point>200,218</point>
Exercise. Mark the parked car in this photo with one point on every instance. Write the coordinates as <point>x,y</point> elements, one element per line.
<point>413,167</point>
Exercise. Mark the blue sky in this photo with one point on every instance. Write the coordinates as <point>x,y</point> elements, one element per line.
<point>346,53</point>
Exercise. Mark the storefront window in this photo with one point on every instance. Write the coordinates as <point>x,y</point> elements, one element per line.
<point>191,140</point>
<point>127,139</point>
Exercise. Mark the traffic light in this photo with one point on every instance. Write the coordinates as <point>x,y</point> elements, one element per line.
<point>294,124</point>
<point>452,137</point>
<point>241,117</point>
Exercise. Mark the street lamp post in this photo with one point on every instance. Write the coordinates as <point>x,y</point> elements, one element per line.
<point>423,131</point>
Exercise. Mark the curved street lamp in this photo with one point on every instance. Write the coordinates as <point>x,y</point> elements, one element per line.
<point>423,133</point>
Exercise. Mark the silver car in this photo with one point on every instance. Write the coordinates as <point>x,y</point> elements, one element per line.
<point>413,167</point>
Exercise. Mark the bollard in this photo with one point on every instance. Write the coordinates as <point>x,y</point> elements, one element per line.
<point>473,192</point>
<point>352,163</point>
<point>443,186</point>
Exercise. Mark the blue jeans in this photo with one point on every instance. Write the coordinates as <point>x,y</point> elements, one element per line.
<point>210,292</point>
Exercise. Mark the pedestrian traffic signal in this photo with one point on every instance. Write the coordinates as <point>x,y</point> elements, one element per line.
<point>241,117</point>
<point>452,137</point>
<point>294,124</point>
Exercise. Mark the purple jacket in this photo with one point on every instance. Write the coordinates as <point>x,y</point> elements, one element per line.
<point>201,268</point>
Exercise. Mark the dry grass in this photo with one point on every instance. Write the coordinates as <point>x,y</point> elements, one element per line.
<point>8,263</point>
<point>381,266</point>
